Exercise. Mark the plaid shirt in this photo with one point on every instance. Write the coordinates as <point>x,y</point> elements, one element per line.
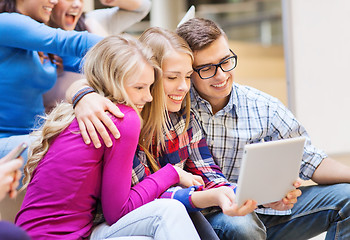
<point>250,116</point>
<point>186,149</point>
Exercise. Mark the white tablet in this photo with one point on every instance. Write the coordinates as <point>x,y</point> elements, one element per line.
<point>269,169</point>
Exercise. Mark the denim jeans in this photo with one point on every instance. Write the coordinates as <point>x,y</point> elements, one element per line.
<point>247,227</point>
<point>9,143</point>
<point>320,208</point>
<point>161,219</point>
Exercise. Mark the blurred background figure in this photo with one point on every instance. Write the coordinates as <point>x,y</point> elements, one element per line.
<point>9,180</point>
<point>69,15</point>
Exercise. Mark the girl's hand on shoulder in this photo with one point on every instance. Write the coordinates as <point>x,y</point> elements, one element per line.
<point>188,179</point>
<point>91,114</point>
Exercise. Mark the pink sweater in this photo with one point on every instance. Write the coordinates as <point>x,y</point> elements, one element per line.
<point>66,184</point>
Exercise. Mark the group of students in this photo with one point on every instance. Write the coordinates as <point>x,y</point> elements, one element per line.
<point>162,98</point>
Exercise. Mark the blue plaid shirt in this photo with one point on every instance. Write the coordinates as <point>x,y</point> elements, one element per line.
<point>250,116</point>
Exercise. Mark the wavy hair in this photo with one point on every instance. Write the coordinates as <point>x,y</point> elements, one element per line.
<point>163,42</point>
<point>107,66</point>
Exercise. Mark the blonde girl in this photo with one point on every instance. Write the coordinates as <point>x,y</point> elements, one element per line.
<point>185,145</point>
<point>65,177</point>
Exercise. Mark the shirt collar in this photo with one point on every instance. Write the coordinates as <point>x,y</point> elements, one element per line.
<point>197,101</point>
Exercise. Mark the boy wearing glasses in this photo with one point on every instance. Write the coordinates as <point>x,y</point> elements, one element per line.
<point>233,115</point>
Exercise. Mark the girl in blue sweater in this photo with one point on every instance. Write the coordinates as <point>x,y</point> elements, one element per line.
<point>25,72</point>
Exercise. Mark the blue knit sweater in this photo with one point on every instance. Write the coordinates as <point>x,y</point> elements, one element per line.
<point>23,78</point>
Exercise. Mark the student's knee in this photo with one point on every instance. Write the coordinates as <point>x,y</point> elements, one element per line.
<point>342,193</point>
<point>242,227</point>
<point>170,207</point>
<point>344,190</point>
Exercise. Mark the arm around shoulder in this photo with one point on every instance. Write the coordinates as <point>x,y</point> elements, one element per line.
<point>91,113</point>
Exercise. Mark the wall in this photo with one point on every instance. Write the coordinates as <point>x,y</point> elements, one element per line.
<point>317,50</point>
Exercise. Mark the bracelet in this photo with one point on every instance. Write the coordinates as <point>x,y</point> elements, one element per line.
<point>185,197</point>
<point>80,94</point>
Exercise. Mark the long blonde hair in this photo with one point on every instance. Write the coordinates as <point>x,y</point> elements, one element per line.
<point>107,66</point>
<point>163,42</point>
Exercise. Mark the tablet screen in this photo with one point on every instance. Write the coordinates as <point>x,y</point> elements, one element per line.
<point>269,169</point>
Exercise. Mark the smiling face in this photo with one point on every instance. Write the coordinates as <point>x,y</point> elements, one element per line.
<point>39,10</point>
<point>138,89</point>
<point>66,14</point>
<point>177,70</point>
<point>216,90</point>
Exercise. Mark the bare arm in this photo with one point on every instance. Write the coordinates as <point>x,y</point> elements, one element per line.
<point>122,15</point>
<point>331,171</point>
<point>129,5</point>
<point>224,198</point>
<point>74,88</point>
<point>91,115</point>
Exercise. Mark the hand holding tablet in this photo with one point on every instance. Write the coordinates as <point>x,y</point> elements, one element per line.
<point>288,201</point>
<point>269,170</point>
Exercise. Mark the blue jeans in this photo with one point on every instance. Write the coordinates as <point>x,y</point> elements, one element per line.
<point>247,227</point>
<point>9,143</point>
<point>160,219</point>
<point>320,208</point>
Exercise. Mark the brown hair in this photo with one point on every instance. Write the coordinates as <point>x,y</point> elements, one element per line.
<point>8,6</point>
<point>199,33</point>
<point>81,26</point>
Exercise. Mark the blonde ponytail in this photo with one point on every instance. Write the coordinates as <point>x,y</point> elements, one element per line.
<point>60,118</point>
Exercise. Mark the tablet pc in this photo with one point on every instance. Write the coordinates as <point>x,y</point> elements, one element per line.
<point>268,170</point>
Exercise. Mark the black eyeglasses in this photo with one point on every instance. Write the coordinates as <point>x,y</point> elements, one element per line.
<point>210,70</point>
